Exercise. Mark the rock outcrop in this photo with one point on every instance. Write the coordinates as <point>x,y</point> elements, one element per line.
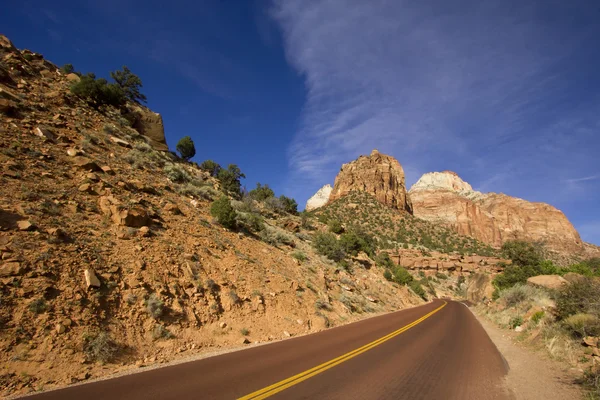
<point>378,174</point>
<point>149,124</point>
<point>320,198</point>
<point>443,197</point>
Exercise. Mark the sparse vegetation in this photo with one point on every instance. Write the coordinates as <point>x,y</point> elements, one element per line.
<point>160,332</point>
<point>129,83</point>
<point>222,210</point>
<point>154,306</point>
<point>99,347</point>
<point>38,306</point>
<point>245,331</point>
<point>185,147</point>
<point>176,173</point>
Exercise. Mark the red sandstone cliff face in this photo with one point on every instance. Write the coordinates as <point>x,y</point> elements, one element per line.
<point>379,175</point>
<point>492,218</point>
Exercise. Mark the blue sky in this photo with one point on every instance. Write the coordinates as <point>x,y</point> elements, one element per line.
<point>506,93</point>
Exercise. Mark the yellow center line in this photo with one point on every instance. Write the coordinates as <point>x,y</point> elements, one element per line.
<point>294,380</point>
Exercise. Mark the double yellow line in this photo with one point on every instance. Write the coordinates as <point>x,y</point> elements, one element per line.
<point>294,380</point>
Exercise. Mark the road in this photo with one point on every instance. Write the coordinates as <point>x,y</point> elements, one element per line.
<point>435,351</point>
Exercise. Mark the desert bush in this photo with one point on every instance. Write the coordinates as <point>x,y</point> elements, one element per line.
<point>98,92</point>
<point>154,306</point>
<point>222,210</point>
<point>185,147</point>
<point>275,237</point>
<point>521,253</point>
<point>143,147</point>
<point>160,332</point>
<point>67,69</point>
<point>579,297</point>
<point>515,321</point>
<point>418,289</point>
<point>230,180</point>
<point>387,274</point>
<point>250,221</point>
<point>335,226</point>
<point>261,193</point>
<point>328,245</point>
<point>323,305</point>
<point>289,205</point>
<point>245,331</point>
<point>537,317</point>
<point>582,324</point>
<point>99,347</point>
<point>300,256</point>
<point>514,295</point>
<point>383,260</point>
<point>211,167</point>
<point>441,275</point>
<point>176,174</point>
<point>129,83</point>
<point>401,276</point>
<point>38,306</point>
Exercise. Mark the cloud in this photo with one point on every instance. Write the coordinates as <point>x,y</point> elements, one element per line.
<point>584,179</point>
<point>476,87</point>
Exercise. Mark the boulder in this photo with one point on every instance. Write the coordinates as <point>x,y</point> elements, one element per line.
<point>573,277</point>
<point>86,164</point>
<point>7,106</point>
<point>134,217</point>
<point>479,287</point>
<point>149,124</point>
<point>553,282</point>
<point>73,77</point>
<point>91,280</point>
<point>12,268</point>
<point>120,142</point>
<point>25,225</point>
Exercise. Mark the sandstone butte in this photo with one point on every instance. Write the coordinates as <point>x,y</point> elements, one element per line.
<point>443,197</point>
<point>377,174</point>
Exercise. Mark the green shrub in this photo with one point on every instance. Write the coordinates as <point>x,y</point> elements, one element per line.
<point>356,240</point>
<point>328,245</point>
<point>154,306</point>
<point>129,83</point>
<point>211,167</point>
<point>160,332</point>
<point>275,237</point>
<point>99,347</point>
<point>250,221</point>
<point>300,256</point>
<point>582,324</point>
<point>230,180</point>
<point>537,317</point>
<point>418,289</point>
<point>335,226</point>
<point>289,205</point>
<point>38,306</point>
<point>387,274</point>
<point>401,275</point>
<point>245,331</point>
<point>441,275</point>
<point>222,210</point>
<point>176,174</point>
<point>521,253</point>
<point>261,193</point>
<point>98,92</point>
<point>515,321</point>
<point>185,147</point>
<point>383,260</point>
<point>67,69</point>
<point>323,305</point>
<point>579,297</point>
<point>514,295</point>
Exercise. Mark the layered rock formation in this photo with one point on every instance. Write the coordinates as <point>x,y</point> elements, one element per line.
<point>320,198</point>
<point>377,174</point>
<point>149,124</point>
<point>443,197</point>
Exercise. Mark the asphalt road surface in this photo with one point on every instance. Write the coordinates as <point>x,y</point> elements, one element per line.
<point>435,351</point>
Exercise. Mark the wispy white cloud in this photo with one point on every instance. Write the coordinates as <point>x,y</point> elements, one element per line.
<point>483,88</point>
<point>584,179</point>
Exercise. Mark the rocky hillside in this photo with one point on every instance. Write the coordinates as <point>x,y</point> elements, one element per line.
<point>443,197</point>
<point>379,175</point>
<point>110,258</point>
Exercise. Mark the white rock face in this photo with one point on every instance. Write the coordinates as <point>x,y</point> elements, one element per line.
<point>320,198</point>
<point>446,180</point>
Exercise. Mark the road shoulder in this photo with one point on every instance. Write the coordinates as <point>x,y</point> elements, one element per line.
<point>531,376</point>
